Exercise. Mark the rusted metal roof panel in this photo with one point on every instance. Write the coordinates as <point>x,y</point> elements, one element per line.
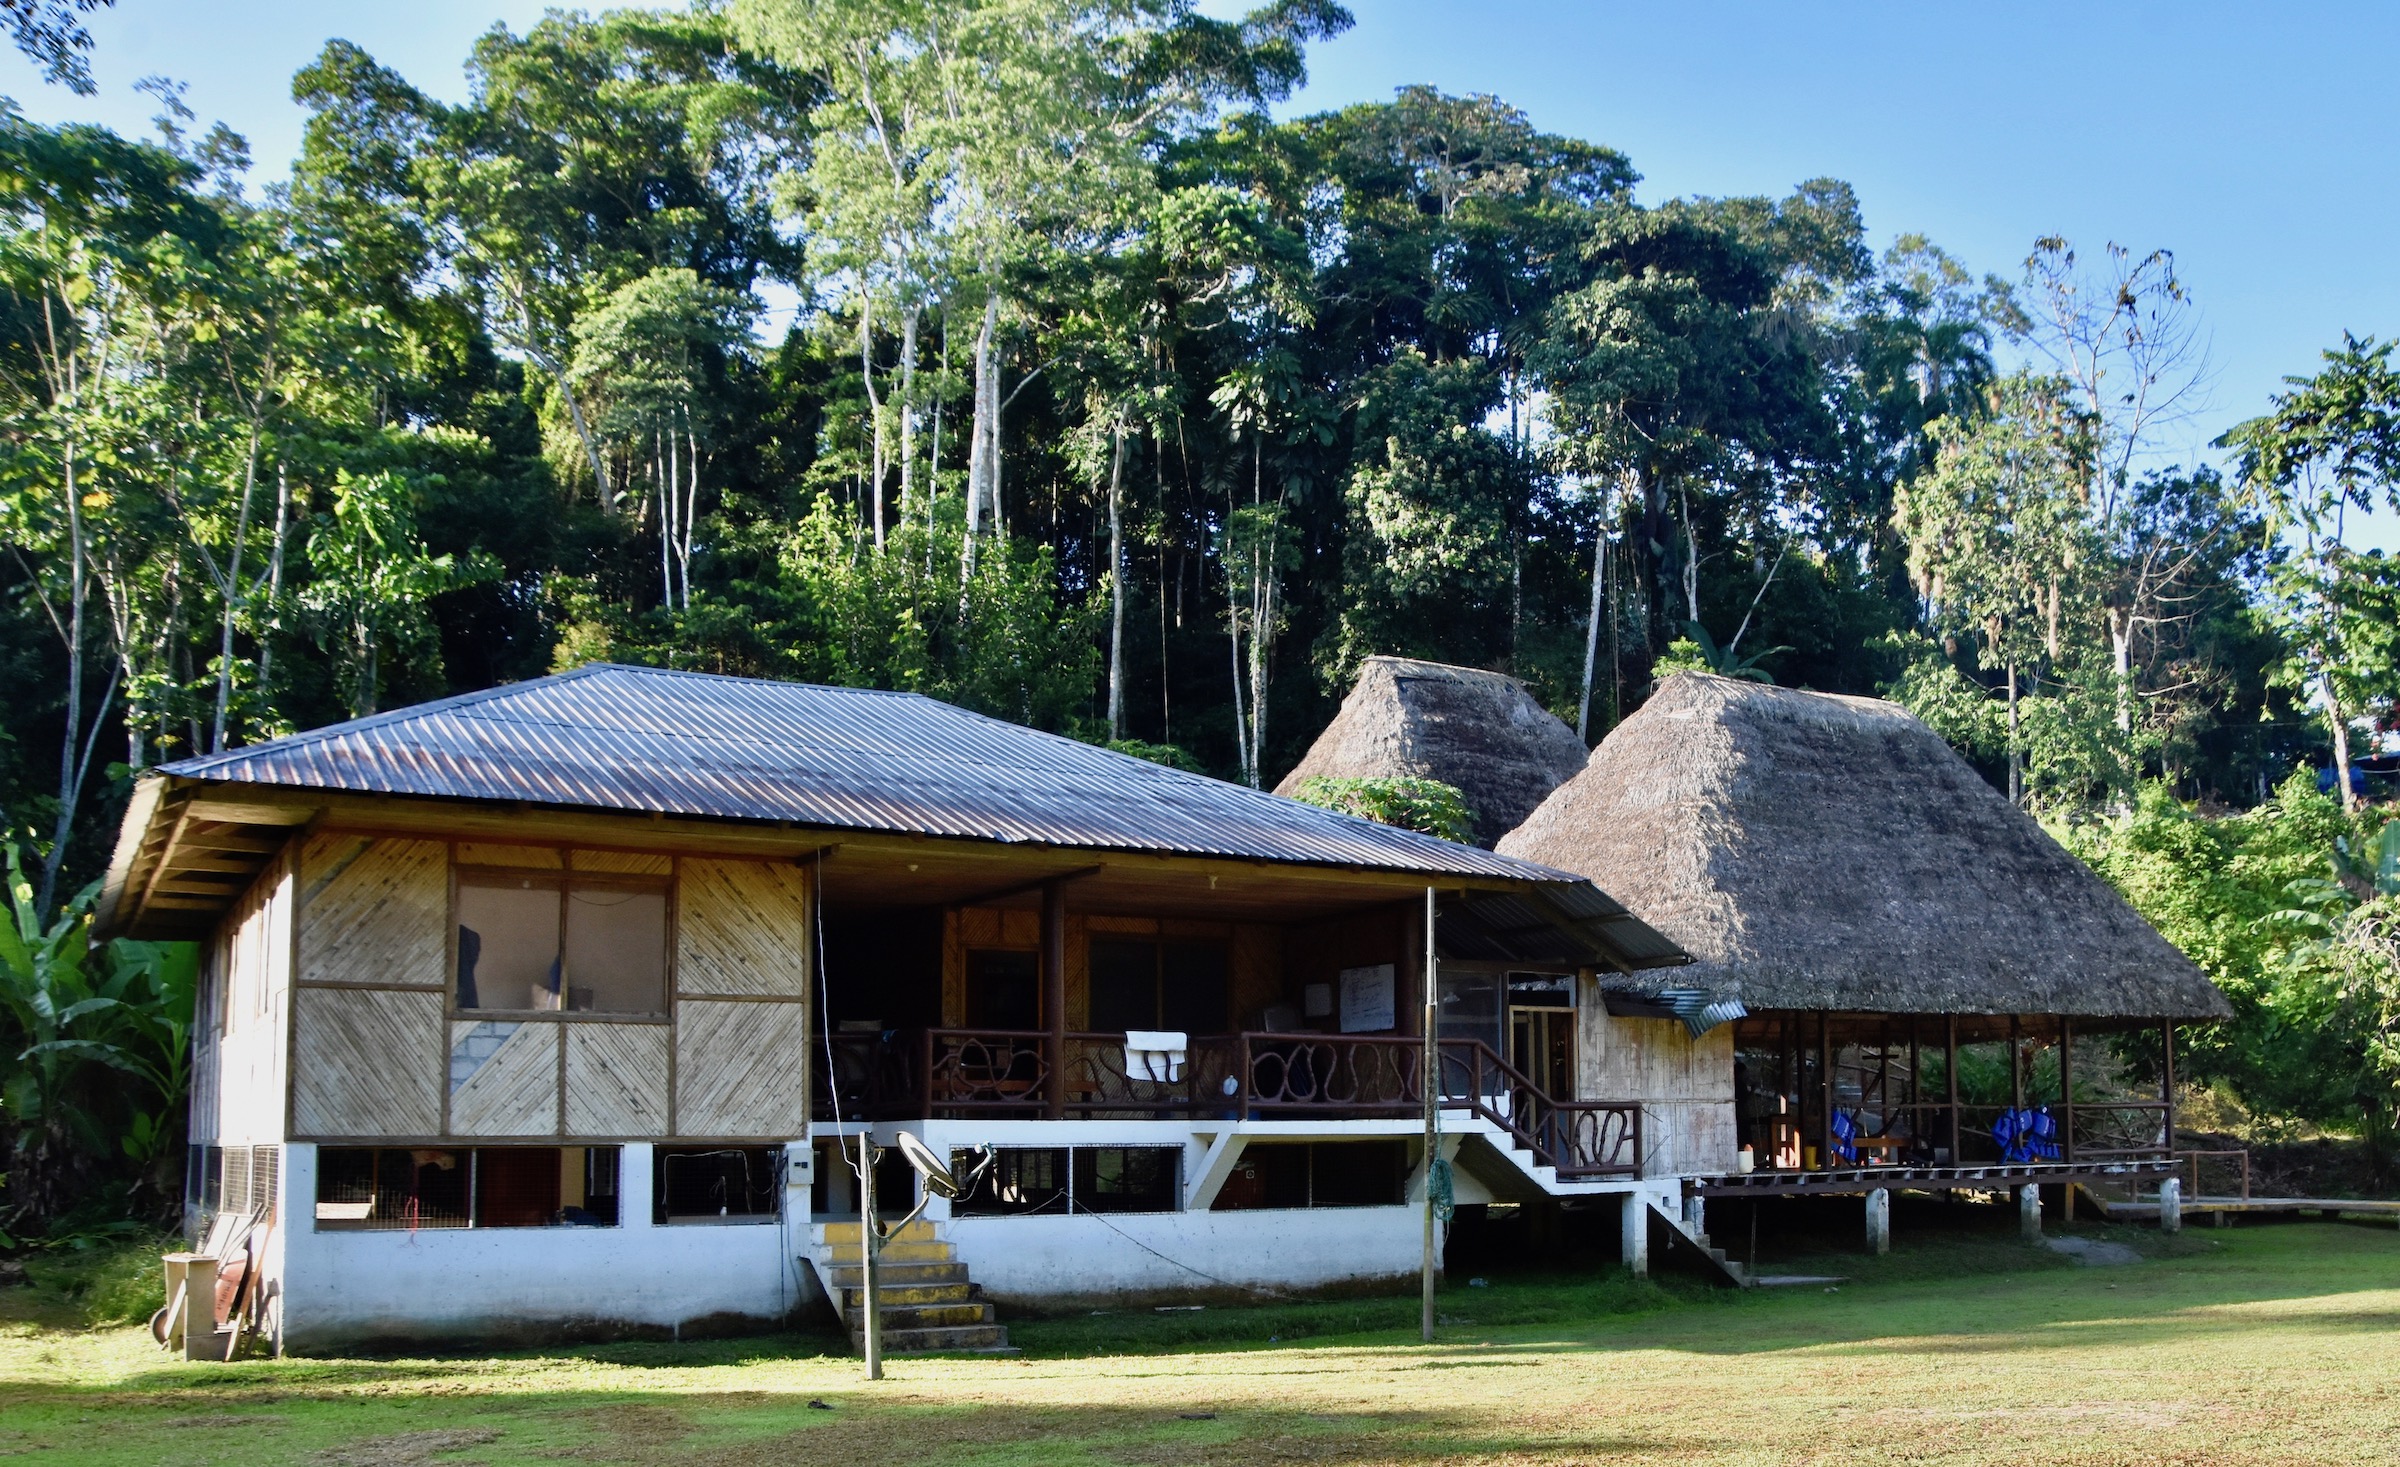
<point>607,737</point>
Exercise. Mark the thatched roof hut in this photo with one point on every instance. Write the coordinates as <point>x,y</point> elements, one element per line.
<point>1832,853</point>
<point>1478,730</point>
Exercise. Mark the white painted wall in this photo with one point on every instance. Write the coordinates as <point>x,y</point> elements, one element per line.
<point>1094,1257</point>
<point>342,1286</point>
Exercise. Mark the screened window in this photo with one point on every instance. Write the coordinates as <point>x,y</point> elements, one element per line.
<point>1317,1174</point>
<point>1025,1180</point>
<point>543,941</point>
<point>1142,984</point>
<point>1128,1179</point>
<point>404,1188</point>
<point>1004,990</point>
<point>717,1184</point>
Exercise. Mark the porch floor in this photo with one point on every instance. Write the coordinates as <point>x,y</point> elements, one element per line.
<point>1926,1178</point>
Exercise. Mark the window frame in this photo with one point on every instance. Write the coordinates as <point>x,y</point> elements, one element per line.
<point>563,879</point>
<point>472,1205</point>
<point>1159,945</point>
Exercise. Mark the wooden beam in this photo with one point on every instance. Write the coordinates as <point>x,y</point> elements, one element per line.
<point>243,812</point>
<point>1054,998</point>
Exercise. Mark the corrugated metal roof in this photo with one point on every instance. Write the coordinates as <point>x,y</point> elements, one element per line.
<point>607,737</point>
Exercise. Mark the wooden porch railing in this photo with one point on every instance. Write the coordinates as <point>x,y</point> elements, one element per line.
<point>959,1073</point>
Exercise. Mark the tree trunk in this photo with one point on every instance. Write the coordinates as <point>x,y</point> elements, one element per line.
<point>1691,562</point>
<point>908,409</point>
<point>1262,606</point>
<point>2016,756</point>
<point>1116,588</point>
<point>982,440</point>
<point>232,590</point>
<point>866,366</point>
<point>1591,637</point>
<point>2337,722</point>
<point>2120,668</point>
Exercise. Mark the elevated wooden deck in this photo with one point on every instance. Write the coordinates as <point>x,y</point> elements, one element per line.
<point>2223,1210</point>
<point>1992,1178</point>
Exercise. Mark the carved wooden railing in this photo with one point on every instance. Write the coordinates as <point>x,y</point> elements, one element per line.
<point>960,1073</point>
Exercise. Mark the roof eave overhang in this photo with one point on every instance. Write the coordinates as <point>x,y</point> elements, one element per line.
<point>165,803</point>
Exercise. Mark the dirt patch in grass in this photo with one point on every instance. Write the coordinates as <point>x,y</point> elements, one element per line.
<point>407,1449</point>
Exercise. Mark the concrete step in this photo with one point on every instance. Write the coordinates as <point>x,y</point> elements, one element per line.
<point>920,1294</point>
<point>934,1316</point>
<point>919,1231</point>
<point>890,1275</point>
<point>981,1339</point>
<point>926,1251</point>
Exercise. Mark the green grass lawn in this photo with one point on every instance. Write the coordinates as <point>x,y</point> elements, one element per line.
<point>2261,1344</point>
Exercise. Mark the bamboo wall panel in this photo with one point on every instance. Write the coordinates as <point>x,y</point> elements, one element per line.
<point>741,1069</point>
<point>514,1092</point>
<point>1685,1085</point>
<point>617,1079</point>
<point>742,929</point>
<point>623,863</point>
<point>377,911</point>
<point>501,853</point>
<point>366,1062</point>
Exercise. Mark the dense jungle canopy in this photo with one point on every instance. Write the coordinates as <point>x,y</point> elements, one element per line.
<point>1017,352</point>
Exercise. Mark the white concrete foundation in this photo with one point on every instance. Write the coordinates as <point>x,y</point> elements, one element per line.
<point>1879,1222</point>
<point>2170,1205</point>
<point>342,1286</point>
<point>2029,1212</point>
<point>1634,1234</point>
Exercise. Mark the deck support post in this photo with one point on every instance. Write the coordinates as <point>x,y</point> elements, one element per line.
<point>1879,1221</point>
<point>2066,1087</point>
<point>1054,999</point>
<point>2029,1212</point>
<point>2170,1205</point>
<point>1824,1088</point>
<point>1634,1234</point>
<point>1950,1081</point>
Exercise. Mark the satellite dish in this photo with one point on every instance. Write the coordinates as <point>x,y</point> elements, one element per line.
<point>938,1180</point>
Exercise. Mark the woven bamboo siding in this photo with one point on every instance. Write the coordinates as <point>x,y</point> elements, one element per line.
<point>740,1069</point>
<point>624,863</point>
<point>497,853</point>
<point>617,1079</point>
<point>1685,1085</point>
<point>514,1092</point>
<point>366,1063</point>
<point>742,929</point>
<point>375,911</point>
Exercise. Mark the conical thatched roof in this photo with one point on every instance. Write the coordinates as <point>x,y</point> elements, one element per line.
<point>1821,852</point>
<point>1478,730</point>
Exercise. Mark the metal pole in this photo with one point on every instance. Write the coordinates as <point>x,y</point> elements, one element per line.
<point>868,1246</point>
<point>1432,1108</point>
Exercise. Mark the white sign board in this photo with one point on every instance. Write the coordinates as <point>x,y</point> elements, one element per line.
<point>1370,999</point>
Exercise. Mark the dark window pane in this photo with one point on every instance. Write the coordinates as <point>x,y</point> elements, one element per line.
<point>508,943</point>
<point>1022,1179</point>
<point>1269,1175</point>
<point>1004,990</point>
<point>1124,985</point>
<point>1358,1173</point>
<point>617,949</point>
<point>516,1186</point>
<point>1128,1178</point>
<point>716,1181</point>
<point>1541,990</point>
<point>1193,987</point>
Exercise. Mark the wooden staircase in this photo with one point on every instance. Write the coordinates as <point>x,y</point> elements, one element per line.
<point>928,1303</point>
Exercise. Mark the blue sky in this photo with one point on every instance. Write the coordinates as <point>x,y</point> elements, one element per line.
<point>2260,143</point>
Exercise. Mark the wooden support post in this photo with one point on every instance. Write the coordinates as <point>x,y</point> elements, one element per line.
<point>1054,999</point>
<point>1950,1080</point>
<point>1879,1222</point>
<point>2066,1089</point>
<point>2166,1078</point>
<point>1916,1087</point>
<point>1825,1088</point>
<point>2016,1062</point>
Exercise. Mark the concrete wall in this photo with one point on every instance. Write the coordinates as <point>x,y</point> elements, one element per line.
<point>344,1287</point>
<point>1059,1260</point>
